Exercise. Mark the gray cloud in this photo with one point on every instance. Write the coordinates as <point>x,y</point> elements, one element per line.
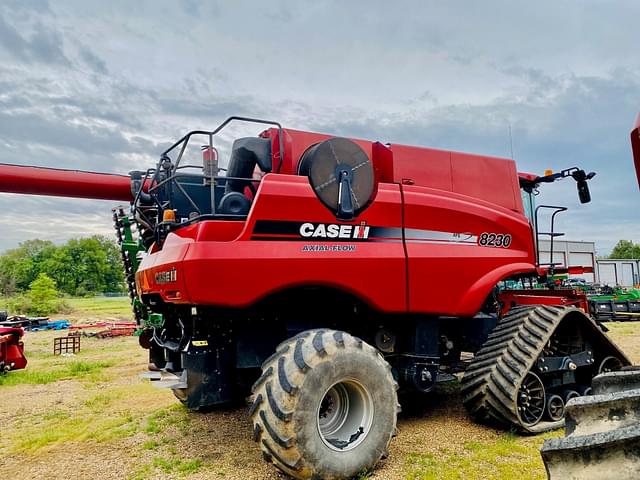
<point>108,86</point>
<point>92,60</point>
<point>42,45</point>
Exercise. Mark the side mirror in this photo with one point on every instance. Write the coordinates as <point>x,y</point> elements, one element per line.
<point>581,179</point>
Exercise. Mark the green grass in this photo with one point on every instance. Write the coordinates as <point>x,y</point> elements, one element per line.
<point>162,466</point>
<point>103,400</point>
<point>100,307</point>
<point>103,418</point>
<point>150,445</point>
<point>507,457</point>
<point>176,416</point>
<point>111,306</point>
<point>56,371</point>
<point>59,427</point>
<point>177,465</point>
<point>166,421</point>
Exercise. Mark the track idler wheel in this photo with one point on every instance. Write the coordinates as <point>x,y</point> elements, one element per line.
<point>325,406</point>
<point>531,400</point>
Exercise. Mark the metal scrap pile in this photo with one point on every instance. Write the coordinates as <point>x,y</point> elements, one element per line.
<point>105,329</point>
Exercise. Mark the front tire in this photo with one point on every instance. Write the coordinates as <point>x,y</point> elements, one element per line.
<point>325,406</point>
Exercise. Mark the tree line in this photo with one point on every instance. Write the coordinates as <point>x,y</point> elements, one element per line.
<point>626,249</point>
<point>82,266</point>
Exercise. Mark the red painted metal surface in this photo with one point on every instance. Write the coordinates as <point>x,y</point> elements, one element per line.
<point>114,332</point>
<point>560,297</point>
<point>491,179</point>
<point>252,268</point>
<point>64,183</point>
<point>635,146</point>
<point>434,207</point>
<point>12,349</point>
<point>455,278</point>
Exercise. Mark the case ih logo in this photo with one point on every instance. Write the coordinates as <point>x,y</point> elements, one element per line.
<point>167,276</point>
<point>331,230</point>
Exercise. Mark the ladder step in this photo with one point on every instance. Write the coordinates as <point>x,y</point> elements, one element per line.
<point>169,384</point>
<point>160,376</point>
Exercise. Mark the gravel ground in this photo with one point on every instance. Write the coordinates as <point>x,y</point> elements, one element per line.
<point>110,424</point>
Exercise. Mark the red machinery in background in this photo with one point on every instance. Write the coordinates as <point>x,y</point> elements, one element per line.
<point>635,146</point>
<point>11,349</point>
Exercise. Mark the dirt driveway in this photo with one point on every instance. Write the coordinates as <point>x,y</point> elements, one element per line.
<point>90,416</point>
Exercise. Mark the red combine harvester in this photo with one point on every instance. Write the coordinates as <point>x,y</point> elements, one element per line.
<point>366,267</point>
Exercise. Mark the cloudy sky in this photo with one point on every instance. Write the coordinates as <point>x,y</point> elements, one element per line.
<point>106,85</point>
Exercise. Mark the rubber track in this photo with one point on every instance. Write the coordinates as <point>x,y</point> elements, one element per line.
<point>492,380</point>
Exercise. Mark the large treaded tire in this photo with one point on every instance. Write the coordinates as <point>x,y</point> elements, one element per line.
<point>288,395</point>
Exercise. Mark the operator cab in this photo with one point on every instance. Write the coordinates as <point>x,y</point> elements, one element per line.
<point>528,193</point>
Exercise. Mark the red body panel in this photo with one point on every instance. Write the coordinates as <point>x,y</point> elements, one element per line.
<point>424,251</point>
<point>455,278</point>
<point>64,183</point>
<point>241,272</point>
<point>423,254</point>
<point>492,179</point>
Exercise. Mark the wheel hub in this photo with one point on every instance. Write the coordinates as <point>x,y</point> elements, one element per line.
<point>345,415</point>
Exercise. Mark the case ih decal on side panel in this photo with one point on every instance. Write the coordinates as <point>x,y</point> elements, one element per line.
<point>362,232</point>
<point>277,230</point>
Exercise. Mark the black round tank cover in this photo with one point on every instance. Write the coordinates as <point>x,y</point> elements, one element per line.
<point>321,162</point>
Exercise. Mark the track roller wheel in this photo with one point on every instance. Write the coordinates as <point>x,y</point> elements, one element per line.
<point>325,406</point>
<point>555,408</point>
<point>569,394</point>
<point>585,390</point>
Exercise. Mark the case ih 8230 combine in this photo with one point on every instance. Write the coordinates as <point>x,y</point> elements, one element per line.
<point>366,267</point>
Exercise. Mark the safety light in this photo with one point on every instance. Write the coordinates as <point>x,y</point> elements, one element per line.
<point>548,172</point>
<point>169,216</point>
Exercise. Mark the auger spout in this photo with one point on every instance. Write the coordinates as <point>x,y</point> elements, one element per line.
<point>64,183</point>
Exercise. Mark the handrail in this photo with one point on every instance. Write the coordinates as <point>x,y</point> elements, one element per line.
<point>557,209</point>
